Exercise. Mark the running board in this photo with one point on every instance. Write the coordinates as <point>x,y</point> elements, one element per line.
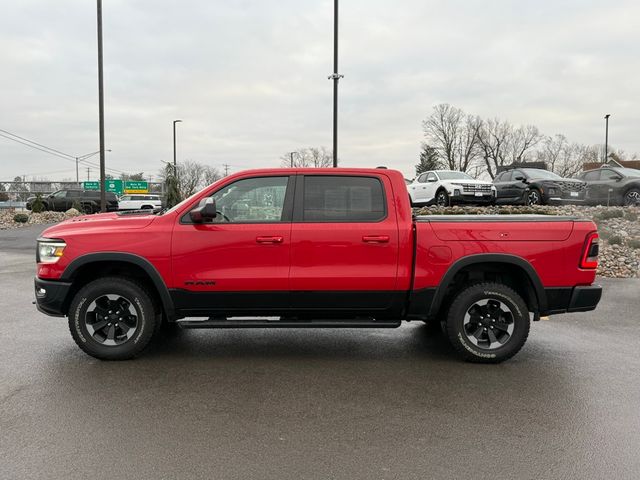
<point>259,323</point>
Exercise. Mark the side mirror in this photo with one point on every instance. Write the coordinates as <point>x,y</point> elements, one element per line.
<point>519,177</point>
<point>206,210</point>
<point>431,180</point>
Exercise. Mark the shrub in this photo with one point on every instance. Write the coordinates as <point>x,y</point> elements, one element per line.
<point>609,214</point>
<point>615,240</point>
<point>21,218</point>
<point>634,242</point>
<point>631,216</point>
<point>38,205</point>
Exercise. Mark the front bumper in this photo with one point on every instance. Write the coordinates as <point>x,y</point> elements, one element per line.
<point>576,299</point>
<point>457,197</point>
<point>51,296</point>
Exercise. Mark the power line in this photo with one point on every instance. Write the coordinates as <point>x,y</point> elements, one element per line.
<point>36,143</point>
<point>37,148</point>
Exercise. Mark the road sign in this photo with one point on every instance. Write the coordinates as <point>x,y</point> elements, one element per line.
<point>91,185</point>
<point>136,187</point>
<point>114,186</point>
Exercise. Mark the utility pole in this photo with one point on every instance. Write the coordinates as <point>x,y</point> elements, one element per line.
<point>175,166</point>
<point>88,171</point>
<point>336,78</point>
<point>103,202</point>
<point>606,137</point>
<point>226,169</point>
<point>291,158</point>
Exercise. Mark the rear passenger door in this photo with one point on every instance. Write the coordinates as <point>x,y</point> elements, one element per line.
<point>344,243</point>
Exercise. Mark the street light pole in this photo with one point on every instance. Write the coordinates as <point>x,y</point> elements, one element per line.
<point>336,78</point>
<point>103,201</point>
<point>174,145</point>
<point>606,137</point>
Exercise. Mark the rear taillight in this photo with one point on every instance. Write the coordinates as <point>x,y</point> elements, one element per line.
<point>590,254</point>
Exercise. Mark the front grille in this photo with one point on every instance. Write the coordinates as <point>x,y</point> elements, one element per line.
<point>572,186</point>
<point>476,188</point>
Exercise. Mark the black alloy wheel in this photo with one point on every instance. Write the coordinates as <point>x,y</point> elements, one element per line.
<point>442,199</point>
<point>111,320</point>
<point>534,197</point>
<point>632,197</point>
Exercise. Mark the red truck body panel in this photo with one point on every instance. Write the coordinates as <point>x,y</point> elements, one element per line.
<point>396,254</point>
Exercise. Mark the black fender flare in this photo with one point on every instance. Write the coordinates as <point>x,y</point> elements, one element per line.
<point>155,277</point>
<point>489,258</point>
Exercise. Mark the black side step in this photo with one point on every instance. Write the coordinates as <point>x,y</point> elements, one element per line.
<point>288,323</point>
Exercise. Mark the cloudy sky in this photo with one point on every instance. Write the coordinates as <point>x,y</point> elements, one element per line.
<point>249,77</point>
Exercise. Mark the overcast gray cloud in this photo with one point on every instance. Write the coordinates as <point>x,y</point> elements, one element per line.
<point>249,77</point>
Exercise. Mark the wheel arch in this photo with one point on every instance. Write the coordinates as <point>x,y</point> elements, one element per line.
<point>513,270</point>
<point>94,265</point>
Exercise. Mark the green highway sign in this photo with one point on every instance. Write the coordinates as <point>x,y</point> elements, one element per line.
<point>136,187</point>
<point>91,185</point>
<point>114,186</point>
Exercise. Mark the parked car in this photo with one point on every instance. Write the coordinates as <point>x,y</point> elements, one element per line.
<point>447,187</point>
<point>613,186</point>
<point>534,186</point>
<point>63,200</point>
<point>313,248</point>
<point>140,202</point>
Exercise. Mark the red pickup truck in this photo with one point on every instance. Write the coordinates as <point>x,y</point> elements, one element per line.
<point>312,248</point>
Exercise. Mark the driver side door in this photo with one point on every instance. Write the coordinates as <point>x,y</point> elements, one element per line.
<point>237,264</point>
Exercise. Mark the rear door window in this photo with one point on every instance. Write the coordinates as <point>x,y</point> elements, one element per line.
<point>342,198</point>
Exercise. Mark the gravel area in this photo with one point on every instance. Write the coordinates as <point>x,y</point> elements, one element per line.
<point>7,218</point>
<point>619,228</point>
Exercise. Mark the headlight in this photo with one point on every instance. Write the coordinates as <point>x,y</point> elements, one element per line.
<point>49,251</point>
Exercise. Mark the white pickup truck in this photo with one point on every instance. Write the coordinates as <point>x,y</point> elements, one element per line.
<point>140,202</point>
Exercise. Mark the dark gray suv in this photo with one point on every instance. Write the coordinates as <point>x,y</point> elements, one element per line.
<point>89,200</point>
<point>612,186</point>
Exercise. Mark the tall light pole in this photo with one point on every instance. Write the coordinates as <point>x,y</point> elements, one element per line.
<point>606,137</point>
<point>84,157</point>
<point>174,145</point>
<point>336,78</point>
<point>103,202</point>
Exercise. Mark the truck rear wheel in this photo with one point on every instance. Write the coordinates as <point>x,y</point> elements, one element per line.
<point>112,318</point>
<point>487,323</point>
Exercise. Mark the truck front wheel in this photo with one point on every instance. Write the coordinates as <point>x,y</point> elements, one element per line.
<point>487,323</point>
<point>112,318</point>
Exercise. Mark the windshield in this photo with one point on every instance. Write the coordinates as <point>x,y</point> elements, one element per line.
<point>539,173</point>
<point>454,176</point>
<point>628,172</point>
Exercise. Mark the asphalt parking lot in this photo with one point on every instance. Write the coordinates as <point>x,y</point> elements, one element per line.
<point>263,404</point>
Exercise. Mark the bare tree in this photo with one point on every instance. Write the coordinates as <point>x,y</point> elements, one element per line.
<point>494,140</point>
<point>442,130</point>
<point>210,175</point>
<point>469,143</point>
<point>316,157</point>
<point>521,143</point>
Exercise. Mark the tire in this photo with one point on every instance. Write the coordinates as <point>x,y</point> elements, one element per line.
<point>97,303</point>
<point>470,318</point>
<point>632,197</point>
<point>534,197</point>
<point>442,198</point>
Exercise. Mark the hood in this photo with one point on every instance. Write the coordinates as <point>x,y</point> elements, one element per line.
<point>467,182</point>
<point>99,221</point>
